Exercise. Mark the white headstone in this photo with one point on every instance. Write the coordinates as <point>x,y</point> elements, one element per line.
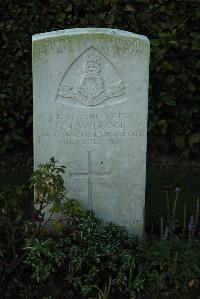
<point>90,89</point>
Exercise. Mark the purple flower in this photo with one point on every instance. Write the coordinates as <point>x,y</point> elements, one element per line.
<point>177,189</point>
<point>190,224</point>
<point>166,234</point>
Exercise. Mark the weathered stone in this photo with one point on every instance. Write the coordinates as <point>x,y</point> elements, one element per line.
<point>90,89</point>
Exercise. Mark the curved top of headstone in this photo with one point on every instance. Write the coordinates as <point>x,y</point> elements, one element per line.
<point>78,31</point>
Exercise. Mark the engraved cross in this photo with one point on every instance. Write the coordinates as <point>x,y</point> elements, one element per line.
<point>89,174</point>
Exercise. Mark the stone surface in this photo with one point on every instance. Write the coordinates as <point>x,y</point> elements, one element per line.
<point>90,89</point>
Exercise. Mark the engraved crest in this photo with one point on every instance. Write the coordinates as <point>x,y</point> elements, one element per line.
<point>93,82</point>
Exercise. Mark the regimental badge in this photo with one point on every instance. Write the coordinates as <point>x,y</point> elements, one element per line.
<point>91,85</point>
<point>98,79</point>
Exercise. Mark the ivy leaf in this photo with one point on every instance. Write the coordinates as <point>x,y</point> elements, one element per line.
<point>180,141</point>
<point>110,19</point>
<point>60,17</point>
<point>168,100</point>
<point>195,138</point>
<point>129,8</point>
<point>191,87</point>
<point>191,282</point>
<point>197,64</point>
<point>155,42</point>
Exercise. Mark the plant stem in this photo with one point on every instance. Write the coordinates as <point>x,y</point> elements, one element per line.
<point>184,219</point>
<point>167,203</point>
<point>161,227</point>
<point>196,217</point>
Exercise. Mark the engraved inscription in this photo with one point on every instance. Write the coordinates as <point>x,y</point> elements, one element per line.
<point>92,128</point>
<point>92,88</point>
<point>119,45</point>
<point>89,174</point>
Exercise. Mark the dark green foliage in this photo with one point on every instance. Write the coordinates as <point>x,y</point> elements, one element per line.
<point>80,257</point>
<point>49,184</point>
<point>87,255</point>
<point>172,27</point>
<point>166,179</point>
<point>13,229</point>
<point>167,270</point>
<point>87,259</point>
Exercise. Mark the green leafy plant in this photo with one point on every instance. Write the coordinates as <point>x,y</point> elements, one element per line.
<point>168,271</point>
<point>14,227</point>
<point>82,257</point>
<point>189,229</point>
<point>49,188</point>
<point>48,183</point>
<point>44,256</point>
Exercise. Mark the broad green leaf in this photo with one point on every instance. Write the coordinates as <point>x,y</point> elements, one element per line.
<point>195,138</point>
<point>180,141</point>
<point>155,42</point>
